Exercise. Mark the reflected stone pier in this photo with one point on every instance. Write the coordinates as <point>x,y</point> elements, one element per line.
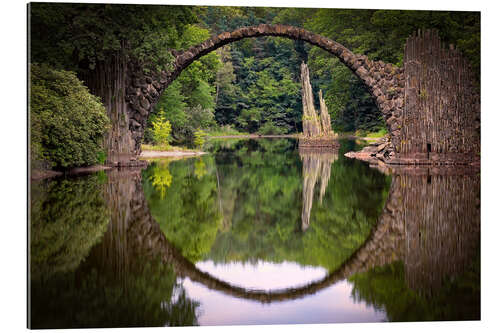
<point>442,226</point>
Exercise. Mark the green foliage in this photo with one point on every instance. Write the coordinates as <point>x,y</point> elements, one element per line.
<point>101,157</point>
<point>258,80</point>
<point>200,169</point>
<point>381,133</point>
<point>270,129</point>
<point>161,178</point>
<point>267,93</point>
<point>187,210</point>
<point>67,122</point>
<point>224,130</point>
<point>145,295</point>
<point>189,102</point>
<point>68,217</point>
<point>386,289</point>
<point>78,36</point>
<point>381,35</point>
<point>247,207</point>
<point>199,138</point>
<point>161,130</point>
<point>173,105</point>
<point>261,198</point>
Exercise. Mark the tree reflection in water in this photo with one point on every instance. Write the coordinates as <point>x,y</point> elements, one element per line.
<point>187,210</point>
<point>246,205</point>
<point>68,217</point>
<point>410,245</point>
<point>436,276</point>
<point>119,284</point>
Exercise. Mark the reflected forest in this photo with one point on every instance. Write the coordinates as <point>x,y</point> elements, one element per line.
<point>140,235</point>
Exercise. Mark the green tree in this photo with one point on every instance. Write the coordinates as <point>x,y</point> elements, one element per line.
<point>189,101</point>
<point>173,105</point>
<point>199,138</point>
<point>68,123</point>
<point>161,130</point>
<point>103,43</point>
<point>80,36</point>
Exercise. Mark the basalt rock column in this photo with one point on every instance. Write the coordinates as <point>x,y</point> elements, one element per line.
<point>326,126</point>
<point>107,81</point>
<point>440,122</point>
<point>310,122</point>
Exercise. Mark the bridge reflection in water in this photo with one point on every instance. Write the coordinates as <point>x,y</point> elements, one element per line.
<point>430,222</point>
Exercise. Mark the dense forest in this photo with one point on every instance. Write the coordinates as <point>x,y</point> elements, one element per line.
<point>250,86</point>
<point>256,84</point>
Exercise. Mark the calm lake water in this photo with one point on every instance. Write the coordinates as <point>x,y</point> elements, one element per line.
<point>256,232</point>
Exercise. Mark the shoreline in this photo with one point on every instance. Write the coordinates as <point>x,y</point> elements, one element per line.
<point>253,136</point>
<point>296,136</point>
<point>146,154</point>
<point>44,174</point>
<point>37,174</point>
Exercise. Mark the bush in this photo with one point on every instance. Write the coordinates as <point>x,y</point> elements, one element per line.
<point>67,122</point>
<point>270,129</point>
<point>199,138</point>
<point>161,130</point>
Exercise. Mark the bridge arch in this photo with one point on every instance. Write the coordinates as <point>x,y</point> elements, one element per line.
<point>145,236</point>
<point>384,81</point>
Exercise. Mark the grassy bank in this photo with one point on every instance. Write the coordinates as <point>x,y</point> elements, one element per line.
<point>224,131</point>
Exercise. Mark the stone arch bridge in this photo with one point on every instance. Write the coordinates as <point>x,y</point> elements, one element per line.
<point>430,105</point>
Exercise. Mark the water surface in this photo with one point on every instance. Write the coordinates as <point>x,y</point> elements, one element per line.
<point>256,232</point>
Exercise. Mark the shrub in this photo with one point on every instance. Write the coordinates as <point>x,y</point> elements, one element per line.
<point>270,129</point>
<point>199,138</point>
<point>67,122</point>
<point>161,130</point>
